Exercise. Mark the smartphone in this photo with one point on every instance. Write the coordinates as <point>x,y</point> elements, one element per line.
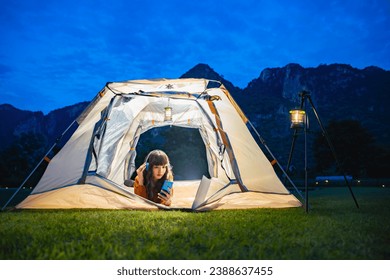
<point>167,186</point>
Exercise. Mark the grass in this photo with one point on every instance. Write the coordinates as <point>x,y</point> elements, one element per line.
<point>333,229</point>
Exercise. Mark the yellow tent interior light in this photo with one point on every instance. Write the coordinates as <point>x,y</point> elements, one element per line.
<point>297,117</point>
<point>168,113</point>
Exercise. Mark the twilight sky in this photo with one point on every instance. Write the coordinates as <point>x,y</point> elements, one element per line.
<point>57,53</point>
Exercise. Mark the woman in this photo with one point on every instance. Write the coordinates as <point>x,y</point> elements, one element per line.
<point>151,176</point>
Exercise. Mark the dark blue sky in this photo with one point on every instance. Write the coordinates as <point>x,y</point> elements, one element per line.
<point>57,53</point>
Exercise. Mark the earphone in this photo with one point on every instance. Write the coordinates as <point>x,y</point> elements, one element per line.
<point>146,162</point>
<point>147,166</point>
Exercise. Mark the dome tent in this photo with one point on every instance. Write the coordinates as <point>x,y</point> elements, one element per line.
<point>91,168</point>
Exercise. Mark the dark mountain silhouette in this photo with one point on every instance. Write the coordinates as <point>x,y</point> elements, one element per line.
<point>15,122</point>
<point>206,72</point>
<point>339,92</point>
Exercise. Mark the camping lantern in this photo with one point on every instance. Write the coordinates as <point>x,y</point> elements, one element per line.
<point>168,113</point>
<point>297,117</point>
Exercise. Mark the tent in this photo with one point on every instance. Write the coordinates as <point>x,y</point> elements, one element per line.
<point>91,168</point>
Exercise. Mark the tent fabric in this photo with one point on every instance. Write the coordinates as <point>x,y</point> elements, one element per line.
<point>91,168</point>
<point>83,196</point>
<point>89,196</point>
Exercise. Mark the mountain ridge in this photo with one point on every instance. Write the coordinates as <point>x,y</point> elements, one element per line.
<point>339,92</point>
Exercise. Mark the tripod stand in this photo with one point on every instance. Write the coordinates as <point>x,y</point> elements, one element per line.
<point>305,95</point>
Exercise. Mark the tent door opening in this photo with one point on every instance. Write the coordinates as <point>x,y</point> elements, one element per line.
<point>184,147</point>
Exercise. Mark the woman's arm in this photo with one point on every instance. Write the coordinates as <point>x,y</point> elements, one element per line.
<point>139,189</point>
<point>140,174</point>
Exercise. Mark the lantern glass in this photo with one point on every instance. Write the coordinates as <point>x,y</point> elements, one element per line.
<point>297,118</point>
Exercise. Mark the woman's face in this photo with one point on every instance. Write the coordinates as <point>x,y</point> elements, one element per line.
<point>159,171</point>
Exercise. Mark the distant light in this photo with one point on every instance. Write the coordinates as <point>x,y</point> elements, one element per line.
<point>326,181</point>
<point>383,186</point>
<point>297,118</point>
<point>316,183</point>
<point>358,181</point>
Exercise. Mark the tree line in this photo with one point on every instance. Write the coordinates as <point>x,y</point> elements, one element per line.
<point>355,148</point>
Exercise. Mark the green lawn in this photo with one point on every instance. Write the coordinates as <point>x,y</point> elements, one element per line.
<point>333,229</point>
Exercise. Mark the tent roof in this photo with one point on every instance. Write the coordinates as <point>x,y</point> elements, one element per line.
<point>170,86</point>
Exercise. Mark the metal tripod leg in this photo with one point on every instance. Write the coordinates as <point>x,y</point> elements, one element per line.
<point>332,149</point>
<point>294,138</point>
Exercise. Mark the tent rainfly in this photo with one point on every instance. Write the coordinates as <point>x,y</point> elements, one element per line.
<point>91,168</point>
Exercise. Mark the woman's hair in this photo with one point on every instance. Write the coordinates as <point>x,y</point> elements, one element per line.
<point>156,157</point>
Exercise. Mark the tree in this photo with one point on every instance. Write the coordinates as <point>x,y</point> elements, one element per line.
<point>379,166</point>
<point>19,159</point>
<point>354,147</point>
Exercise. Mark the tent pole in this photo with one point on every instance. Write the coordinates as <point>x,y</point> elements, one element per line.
<point>36,167</point>
<point>277,162</point>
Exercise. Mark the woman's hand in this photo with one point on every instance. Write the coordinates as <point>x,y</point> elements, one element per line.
<point>140,174</point>
<point>165,198</point>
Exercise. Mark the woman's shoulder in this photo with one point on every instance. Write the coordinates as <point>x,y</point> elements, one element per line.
<point>139,189</point>
<point>136,182</point>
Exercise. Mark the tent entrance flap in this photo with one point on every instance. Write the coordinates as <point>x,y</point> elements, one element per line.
<point>200,196</point>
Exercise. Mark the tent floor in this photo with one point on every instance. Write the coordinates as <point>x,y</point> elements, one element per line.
<point>92,197</point>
